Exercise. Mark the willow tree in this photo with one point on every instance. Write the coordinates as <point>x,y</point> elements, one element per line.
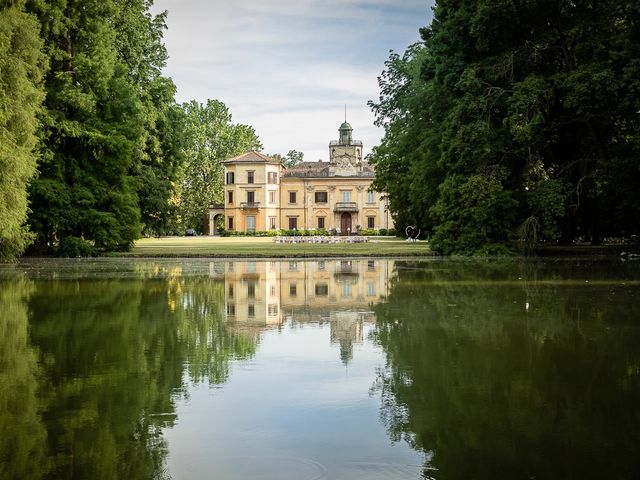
<point>22,66</point>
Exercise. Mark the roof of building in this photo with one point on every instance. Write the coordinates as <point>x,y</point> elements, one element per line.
<point>307,169</point>
<point>345,126</point>
<point>252,157</point>
<point>321,169</point>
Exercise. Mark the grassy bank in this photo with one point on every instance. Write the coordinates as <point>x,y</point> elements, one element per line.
<point>265,247</point>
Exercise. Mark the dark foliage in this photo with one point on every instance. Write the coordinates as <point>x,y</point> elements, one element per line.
<point>515,120</point>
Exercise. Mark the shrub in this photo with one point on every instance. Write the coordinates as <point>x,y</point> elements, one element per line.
<point>494,249</point>
<point>473,212</point>
<point>74,247</point>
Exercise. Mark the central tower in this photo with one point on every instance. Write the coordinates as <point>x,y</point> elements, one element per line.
<point>345,154</point>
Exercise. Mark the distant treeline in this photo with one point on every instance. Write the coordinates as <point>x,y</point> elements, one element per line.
<point>94,150</point>
<point>515,122</point>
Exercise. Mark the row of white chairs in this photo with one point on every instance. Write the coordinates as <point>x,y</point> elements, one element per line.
<point>321,239</point>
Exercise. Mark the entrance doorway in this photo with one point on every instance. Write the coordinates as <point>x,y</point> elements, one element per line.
<point>345,223</point>
<point>251,224</point>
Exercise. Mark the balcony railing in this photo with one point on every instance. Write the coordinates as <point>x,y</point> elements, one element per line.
<point>250,205</point>
<point>346,207</point>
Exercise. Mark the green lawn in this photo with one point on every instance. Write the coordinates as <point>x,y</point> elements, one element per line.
<point>266,247</point>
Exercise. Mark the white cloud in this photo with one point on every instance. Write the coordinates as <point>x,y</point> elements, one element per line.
<point>288,67</point>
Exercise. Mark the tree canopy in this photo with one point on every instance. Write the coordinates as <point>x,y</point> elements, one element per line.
<point>291,159</point>
<point>514,120</point>
<point>104,130</point>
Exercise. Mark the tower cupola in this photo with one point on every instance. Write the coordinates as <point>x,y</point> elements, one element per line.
<point>345,134</point>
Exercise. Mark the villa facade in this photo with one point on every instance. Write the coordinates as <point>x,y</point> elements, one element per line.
<point>261,194</point>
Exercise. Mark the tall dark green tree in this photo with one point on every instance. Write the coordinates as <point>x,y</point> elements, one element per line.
<point>109,148</point>
<point>520,119</point>
<point>140,47</point>
<point>22,65</point>
<point>92,128</point>
<point>159,172</point>
<point>405,160</point>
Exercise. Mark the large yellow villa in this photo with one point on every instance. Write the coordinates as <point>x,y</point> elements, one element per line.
<point>262,194</point>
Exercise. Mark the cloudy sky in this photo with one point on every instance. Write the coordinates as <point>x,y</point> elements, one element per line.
<point>288,67</point>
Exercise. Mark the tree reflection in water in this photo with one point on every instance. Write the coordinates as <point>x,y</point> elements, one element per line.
<point>88,391</point>
<point>513,371</point>
<point>22,433</point>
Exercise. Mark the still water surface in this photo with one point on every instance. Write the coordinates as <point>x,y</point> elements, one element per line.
<point>330,369</point>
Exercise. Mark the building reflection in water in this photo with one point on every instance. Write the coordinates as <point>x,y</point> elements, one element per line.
<point>268,294</point>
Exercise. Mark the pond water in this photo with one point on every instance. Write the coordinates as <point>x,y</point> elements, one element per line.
<point>363,369</point>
